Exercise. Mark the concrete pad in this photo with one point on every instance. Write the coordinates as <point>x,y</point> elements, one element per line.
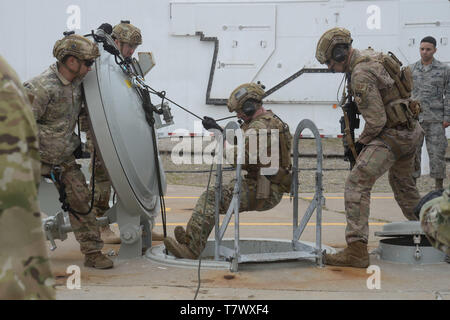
<point>142,279</point>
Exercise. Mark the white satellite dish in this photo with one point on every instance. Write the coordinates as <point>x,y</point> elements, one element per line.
<point>126,143</point>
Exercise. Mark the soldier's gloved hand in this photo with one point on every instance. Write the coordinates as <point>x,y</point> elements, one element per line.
<point>359,147</point>
<point>209,123</point>
<point>348,154</point>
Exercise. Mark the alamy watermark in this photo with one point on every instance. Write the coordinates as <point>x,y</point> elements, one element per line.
<point>374,281</point>
<point>251,147</point>
<point>74,280</point>
<point>74,20</point>
<point>374,19</point>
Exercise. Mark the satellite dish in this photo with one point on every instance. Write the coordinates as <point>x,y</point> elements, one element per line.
<point>127,146</point>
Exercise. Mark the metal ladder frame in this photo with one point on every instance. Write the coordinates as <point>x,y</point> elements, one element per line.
<point>299,250</point>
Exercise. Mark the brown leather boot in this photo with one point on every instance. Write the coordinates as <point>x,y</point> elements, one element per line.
<point>97,260</point>
<point>179,250</point>
<point>180,235</point>
<point>355,255</point>
<point>108,236</point>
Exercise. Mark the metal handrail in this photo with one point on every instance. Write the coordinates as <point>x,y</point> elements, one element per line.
<point>318,199</point>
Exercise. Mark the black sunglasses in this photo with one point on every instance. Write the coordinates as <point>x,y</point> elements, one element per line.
<point>89,63</point>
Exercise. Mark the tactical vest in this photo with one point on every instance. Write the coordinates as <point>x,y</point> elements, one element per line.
<point>401,110</point>
<point>283,176</point>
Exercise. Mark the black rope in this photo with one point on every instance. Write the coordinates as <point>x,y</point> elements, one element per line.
<point>203,226</point>
<point>149,108</point>
<point>226,118</point>
<point>162,95</point>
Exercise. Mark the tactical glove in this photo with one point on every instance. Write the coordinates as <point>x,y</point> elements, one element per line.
<point>210,123</point>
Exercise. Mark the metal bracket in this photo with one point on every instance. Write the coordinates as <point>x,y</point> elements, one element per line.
<point>55,227</point>
<point>417,253</point>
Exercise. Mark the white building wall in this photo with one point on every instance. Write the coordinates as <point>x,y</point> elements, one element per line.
<point>263,41</point>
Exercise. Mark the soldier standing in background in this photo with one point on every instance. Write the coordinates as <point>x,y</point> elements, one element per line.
<point>127,38</point>
<point>388,142</point>
<point>432,89</point>
<point>246,101</point>
<point>57,106</point>
<point>24,267</point>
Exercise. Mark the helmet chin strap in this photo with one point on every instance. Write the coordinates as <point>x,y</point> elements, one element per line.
<point>347,60</point>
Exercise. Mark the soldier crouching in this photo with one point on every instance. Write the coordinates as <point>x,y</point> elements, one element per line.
<point>246,101</point>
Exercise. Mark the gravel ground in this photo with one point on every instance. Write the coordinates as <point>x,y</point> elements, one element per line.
<point>334,174</point>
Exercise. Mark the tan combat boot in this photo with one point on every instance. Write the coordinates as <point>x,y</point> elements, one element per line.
<point>108,236</point>
<point>180,235</point>
<point>97,260</point>
<point>179,250</point>
<point>157,236</point>
<point>355,255</point>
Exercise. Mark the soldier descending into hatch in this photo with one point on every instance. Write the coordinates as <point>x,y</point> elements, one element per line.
<point>388,142</point>
<point>259,192</point>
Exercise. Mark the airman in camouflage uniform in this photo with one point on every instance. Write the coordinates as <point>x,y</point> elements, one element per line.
<point>385,144</point>
<point>57,105</point>
<point>24,267</point>
<point>246,100</point>
<point>432,89</point>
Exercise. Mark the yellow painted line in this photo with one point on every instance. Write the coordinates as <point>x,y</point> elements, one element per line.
<point>282,224</point>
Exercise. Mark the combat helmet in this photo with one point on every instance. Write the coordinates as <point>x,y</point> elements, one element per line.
<point>75,45</point>
<point>243,93</point>
<point>127,33</point>
<point>329,40</point>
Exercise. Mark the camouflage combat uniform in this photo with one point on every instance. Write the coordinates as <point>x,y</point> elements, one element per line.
<point>57,105</point>
<point>432,89</point>
<point>24,267</point>
<point>202,222</point>
<point>103,185</point>
<point>435,221</point>
<point>386,148</point>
